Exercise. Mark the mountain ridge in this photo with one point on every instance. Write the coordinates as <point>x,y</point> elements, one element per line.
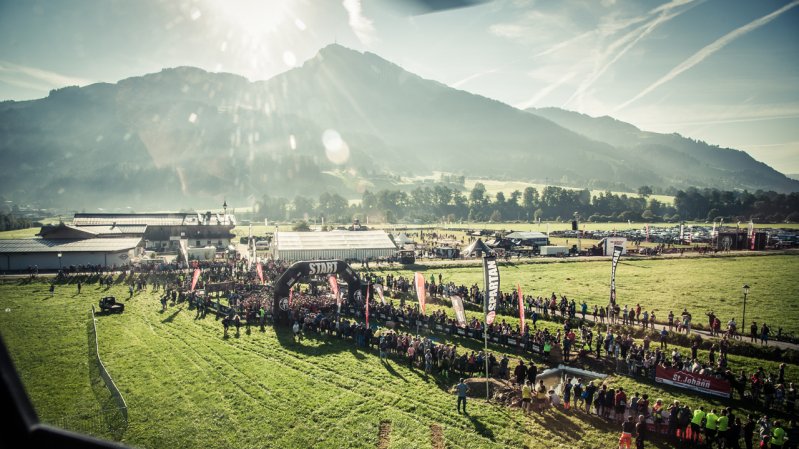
<point>185,135</point>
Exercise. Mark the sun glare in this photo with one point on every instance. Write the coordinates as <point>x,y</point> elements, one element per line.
<point>253,18</point>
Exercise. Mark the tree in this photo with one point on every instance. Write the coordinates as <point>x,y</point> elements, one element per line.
<point>300,226</point>
<point>645,191</point>
<point>529,200</point>
<point>496,217</point>
<point>477,195</point>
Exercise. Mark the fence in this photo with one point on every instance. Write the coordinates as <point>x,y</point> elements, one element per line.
<point>109,383</point>
<point>112,419</point>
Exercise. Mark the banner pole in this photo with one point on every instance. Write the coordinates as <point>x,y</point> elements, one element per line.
<point>485,332</point>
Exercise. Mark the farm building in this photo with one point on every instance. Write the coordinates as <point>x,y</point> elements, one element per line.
<point>53,254</point>
<point>528,238</point>
<point>164,231</point>
<point>345,245</point>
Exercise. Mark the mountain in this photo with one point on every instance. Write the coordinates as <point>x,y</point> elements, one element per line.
<point>342,122</point>
<point>681,161</point>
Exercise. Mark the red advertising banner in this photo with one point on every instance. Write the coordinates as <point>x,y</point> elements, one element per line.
<point>194,278</point>
<point>457,305</point>
<point>367,305</point>
<point>420,290</point>
<point>379,289</point>
<point>691,381</point>
<point>334,288</point>
<point>260,270</point>
<point>521,308</point>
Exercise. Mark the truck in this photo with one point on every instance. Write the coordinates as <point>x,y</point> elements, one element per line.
<point>608,243</point>
<point>552,250</point>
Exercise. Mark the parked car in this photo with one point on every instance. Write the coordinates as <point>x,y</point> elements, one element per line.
<point>109,304</point>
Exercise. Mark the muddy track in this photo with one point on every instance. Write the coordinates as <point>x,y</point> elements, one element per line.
<point>384,434</point>
<point>437,436</point>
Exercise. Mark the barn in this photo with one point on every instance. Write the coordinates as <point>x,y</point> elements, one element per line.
<point>54,254</point>
<point>344,245</point>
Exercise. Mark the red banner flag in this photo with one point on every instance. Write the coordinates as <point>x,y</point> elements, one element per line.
<point>194,278</point>
<point>367,305</point>
<point>260,270</point>
<point>291,294</point>
<point>521,308</point>
<point>334,288</point>
<point>460,314</point>
<point>379,289</point>
<point>420,290</point>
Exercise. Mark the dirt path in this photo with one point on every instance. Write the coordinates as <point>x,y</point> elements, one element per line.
<point>437,436</point>
<point>384,434</point>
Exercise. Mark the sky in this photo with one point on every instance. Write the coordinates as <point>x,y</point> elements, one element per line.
<point>722,71</point>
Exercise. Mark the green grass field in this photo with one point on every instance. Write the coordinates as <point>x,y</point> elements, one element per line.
<point>187,386</point>
<point>660,285</point>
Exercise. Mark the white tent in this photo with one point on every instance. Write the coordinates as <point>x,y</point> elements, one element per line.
<point>352,245</point>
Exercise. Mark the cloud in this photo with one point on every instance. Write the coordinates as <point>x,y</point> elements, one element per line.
<point>508,30</point>
<point>35,78</point>
<point>708,50</point>
<point>620,46</point>
<point>546,91</point>
<point>472,77</point>
<point>361,25</point>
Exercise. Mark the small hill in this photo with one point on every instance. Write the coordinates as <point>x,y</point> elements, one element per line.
<point>680,160</point>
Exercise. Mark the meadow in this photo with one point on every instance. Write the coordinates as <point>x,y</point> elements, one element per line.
<point>188,386</point>
<point>699,284</point>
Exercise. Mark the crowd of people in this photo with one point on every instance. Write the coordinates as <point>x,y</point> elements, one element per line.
<point>313,311</point>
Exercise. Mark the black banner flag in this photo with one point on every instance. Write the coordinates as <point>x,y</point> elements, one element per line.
<point>491,272</point>
<point>617,250</point>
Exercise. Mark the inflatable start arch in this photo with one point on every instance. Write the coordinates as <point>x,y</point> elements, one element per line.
<point>302,270</point>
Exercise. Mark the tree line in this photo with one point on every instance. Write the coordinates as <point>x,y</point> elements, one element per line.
<point>11,222</point>
<point>430,204</point>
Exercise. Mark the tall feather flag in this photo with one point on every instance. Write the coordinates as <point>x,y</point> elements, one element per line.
<point>291,295</point>
<point>367,305</point>
<point>260,270</point>
<point>379,289</point>
<point>420,290</point>
<point>194,278</point>
<point>614,261</point>
<point>334,288</point>
<point>491,274</point>
<point>521,307</point>
<point>460,314</point>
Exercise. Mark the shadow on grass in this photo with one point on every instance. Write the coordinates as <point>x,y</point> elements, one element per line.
<point>387,364</point>
<point>356,353</point>
<point>172,316</point>
<point>481,428</point>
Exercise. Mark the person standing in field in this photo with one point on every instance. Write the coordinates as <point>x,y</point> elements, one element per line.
<point>640,432</point>
<point>527,397</point>
<point>627,429</point>
<point>462,389</point>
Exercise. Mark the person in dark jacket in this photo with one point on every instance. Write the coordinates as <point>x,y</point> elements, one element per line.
<point>640,432</point>
<point>532,373</point>
<point>520,372</point>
